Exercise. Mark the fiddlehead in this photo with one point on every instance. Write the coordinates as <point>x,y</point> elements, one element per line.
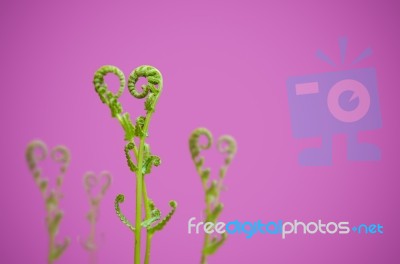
<point>149,160</point>
<point>163,222</point>
<point>144,159</point>
<point>120,199</point>
<point>33,159</point>
<point>195,148</point>
<point>52,197</point>
<point>226,145</point>
<point>90,182</point>
<point>152,89</point>
<point>194,145</point>
<point>106,96</point>
<point>130,146</point>
<point>155,215</point>
<point>60,154</point>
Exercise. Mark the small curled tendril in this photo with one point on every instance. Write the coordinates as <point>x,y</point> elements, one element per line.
<point>230,147</point>
<point>31,157</point>
<point>89,181</point>
<point>120,199</point>
<point>61,155</point>
<point>155,215</point>
<point>130,146</point>
<point>226,144</point>
<point>149,160</point>
<point>195,148</point>
<point>160,225</point>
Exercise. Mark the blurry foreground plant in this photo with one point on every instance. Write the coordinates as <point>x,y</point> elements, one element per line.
<point>91,181</point>
<point>226,144</point>
<point>36,152</point>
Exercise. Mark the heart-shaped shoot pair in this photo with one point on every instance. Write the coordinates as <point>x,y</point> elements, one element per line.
<point>226,145</point>
<point>135,136</point>
<point>36,152</point>
<point>96,187</point>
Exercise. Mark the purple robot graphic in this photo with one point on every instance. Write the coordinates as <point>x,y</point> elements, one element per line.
<point>325,104</point>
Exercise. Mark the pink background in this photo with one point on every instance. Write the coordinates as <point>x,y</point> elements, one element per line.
<point>225,66</point>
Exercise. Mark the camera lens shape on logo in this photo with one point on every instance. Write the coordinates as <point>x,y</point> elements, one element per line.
<point>359,90</point>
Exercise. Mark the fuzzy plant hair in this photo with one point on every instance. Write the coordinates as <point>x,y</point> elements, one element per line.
<point>36,152</point>
<point>136,134</point>
<point>90,182</point>
<point>212,188</point>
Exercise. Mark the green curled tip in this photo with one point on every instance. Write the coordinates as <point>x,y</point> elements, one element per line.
<point>120,199</point>
<point>62,155</point>
<point>32,157</point>
<point>130,146</point>
<point>153,77</point>
<point>227,144</point>
<point>173,204</point>
<point>99,82</point>
<point>230,147</point>
<point>161,224</point>
<point>195,147</point>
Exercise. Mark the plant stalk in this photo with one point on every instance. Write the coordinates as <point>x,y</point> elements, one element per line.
<point>148,235</point>
<point>206,236</point>
<point>139,188</point>
<point>51,248</point>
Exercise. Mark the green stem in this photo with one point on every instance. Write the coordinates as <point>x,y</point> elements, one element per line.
<point>203,255</point>
<point>148,235</point>
<point>148,247</point>
<point>92,237</point>
<point>51,248</point>
<point>139,194</point>
<point>145,196</point>
<point>206,236</point>
<point>139,183</point>
<point>139,187</point>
